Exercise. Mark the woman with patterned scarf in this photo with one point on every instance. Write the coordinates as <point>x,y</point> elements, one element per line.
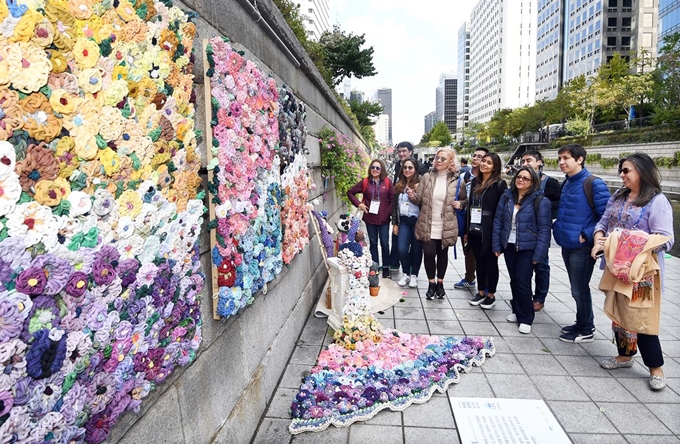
<point>634,232</point>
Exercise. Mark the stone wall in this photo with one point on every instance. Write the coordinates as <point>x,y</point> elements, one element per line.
<point>222,395</point>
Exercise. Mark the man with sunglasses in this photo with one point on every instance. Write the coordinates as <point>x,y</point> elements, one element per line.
<point>468,282</point>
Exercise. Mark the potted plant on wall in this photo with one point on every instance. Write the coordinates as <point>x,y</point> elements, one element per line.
<point>374,279</point>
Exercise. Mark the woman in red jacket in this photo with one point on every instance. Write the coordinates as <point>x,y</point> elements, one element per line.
<point>376,204</point>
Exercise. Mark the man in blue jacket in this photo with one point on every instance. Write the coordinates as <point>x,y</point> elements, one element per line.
<point>573,231</point>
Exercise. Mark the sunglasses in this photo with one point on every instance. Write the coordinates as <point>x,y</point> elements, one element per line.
<point>408,167</point>
<point>376,167</point>
<point>523,179</point>
<point>442,159</point>
<point>625,170</point>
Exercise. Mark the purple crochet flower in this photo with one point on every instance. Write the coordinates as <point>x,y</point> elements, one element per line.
<point>236,109</point>
<point>57,271</point>
<point>83,262</point>
<point>127,270</point>
<point>31,281</point>
<point>77,284</point>
<point>6,402</point>
<point>22,390</point>
<point>46,355</point>
<point>103,272</point>
<point>98,428</point>
<point>43,315</point>
<point>11,321</point>
<point>96,316</point>
<point>6,271</point>
<point>108,254</point>
<point>13,250</point>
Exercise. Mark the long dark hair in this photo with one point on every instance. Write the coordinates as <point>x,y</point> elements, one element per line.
<point>481,184</point>
<point>402,181</point>
<point>535,184</point>
<point>650,179</point>
<point>383,169</point>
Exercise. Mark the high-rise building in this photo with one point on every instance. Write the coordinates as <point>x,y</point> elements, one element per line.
<point>463,78</point>
<point>503,62</point>
<point>597,29</point>
<point>446,104</point>
<point>549,48</point>
<point>356,96</point>
<point>384,96</point>
<point>669,18</point>
<point>430,120</point>
<point>317,17</point>
<point>382,130</point>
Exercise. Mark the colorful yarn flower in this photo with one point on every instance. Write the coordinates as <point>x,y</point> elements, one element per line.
<point>10,111</point>
<point>39,120</point>
<point>46,354</point>
<point>39,164</point>
<point>11,322</point>
<point>28,72</point>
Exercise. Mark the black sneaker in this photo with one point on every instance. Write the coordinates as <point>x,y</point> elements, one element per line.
<point>488,303</point>
<point>476,300</point>
<point>386,273</point>
<point>439,290</point>
<point>576,338</point>
<point>572,329</point>
<point>431,288</point>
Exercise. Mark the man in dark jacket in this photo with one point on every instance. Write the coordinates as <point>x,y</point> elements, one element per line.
<point>404,150</point>
<point>551,190</point>
<point>573,231</point>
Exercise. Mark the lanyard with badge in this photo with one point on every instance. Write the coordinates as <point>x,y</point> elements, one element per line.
<point>375,203</point>
<point>476,210</point>
<point>404,204</point>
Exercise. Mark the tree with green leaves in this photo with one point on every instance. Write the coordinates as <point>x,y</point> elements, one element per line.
<point>440,133</point>
<point>344,55</point>
<point>667,80</point>
<point>366,111</point>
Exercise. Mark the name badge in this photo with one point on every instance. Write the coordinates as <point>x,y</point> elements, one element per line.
<point>476,215</point>
<point>375,206</point>
<point>403,208</point>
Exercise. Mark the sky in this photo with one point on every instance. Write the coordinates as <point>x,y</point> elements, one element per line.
<point>414,42</point>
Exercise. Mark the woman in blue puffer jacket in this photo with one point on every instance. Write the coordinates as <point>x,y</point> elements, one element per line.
<point>521,230</point>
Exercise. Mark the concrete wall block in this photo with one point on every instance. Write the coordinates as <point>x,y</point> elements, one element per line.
<point>161,424</point>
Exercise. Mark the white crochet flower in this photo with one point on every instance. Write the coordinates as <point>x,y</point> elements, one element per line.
<point>33,223</point>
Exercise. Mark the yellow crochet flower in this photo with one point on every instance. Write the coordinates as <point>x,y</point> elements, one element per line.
<point>39,119</point>
<point>51,192</point>
<point>110,160</point>
<point>135,31</point>
<point>23,31</point>
<point>130,139</point>
<point>43,33</point>
<point>90,80</point>
<point>4,11</point>
<point>111,123</point>
<point>126,10</point>
<point>129,204</point>
<point>68,162</point>
<point>86,146</point>
<point>63,102</point>
<point>148,119</point>
<point>116,91</point>
<point>85,119</point>
<point>11,120</point>
<point>30,72</point>
<point>81,9</point>
<point>86,53</point>
<point>119,73</point>
<point>63,23</point>
<point>89,28</point>
<point>59,63</point>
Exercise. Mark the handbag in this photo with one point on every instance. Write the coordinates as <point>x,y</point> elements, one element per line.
<point>475,229</point>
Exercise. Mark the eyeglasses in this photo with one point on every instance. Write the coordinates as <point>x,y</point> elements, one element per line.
<point>408,167</point>
<point>523,179</point>
<point>625,170</point>
<point>442,159</point>
<point>376,167</point>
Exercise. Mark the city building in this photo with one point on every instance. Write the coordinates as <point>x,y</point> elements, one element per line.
<point>446,101</point>
<point>549,48</point>
<point>597,29</point>
<point>503,56</point>
<point>345,88</point>
<point>463,107</point>
<point>317,17</point>
<point>384,96</point>
<point>382,130</point>
<point>669,18</point>
<point>356,96</point>
<point>430,120</point>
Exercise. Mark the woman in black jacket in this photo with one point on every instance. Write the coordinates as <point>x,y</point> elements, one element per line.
<point>486,190</point>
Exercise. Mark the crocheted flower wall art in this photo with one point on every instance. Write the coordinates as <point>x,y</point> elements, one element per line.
<point>99,213</point>
<point>245,184</point>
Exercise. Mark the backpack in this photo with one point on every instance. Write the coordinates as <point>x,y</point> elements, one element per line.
<point>588,189</point>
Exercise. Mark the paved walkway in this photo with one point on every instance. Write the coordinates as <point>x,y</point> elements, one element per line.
<point>592,405</point>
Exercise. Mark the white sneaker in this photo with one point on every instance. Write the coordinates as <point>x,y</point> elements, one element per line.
<point>403,281</point>
<point>512,317</point>
<point>413,282</point>
<point>525,329</point>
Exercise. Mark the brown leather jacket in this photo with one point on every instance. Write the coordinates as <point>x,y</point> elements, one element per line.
<point>423,198</point>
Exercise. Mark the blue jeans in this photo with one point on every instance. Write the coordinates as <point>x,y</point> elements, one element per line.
<point>542,270</point>
<point>384,232</point>
<point>579,267</point>
<point>394,252</point>
<point>519,270</point>
<point>410,248</point>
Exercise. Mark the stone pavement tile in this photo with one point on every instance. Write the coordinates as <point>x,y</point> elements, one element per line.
<point>305,354</point>
<point>411,302</point>
<point>292,377</point>
<point>436,303</point>
<point>544,364</point>
<point>604,389</point>
<point>280,404</point>
<point>472,385</point>
<point>650,439</point>
<point>409,313</point>
<point>669,321</point>
<point>332,435</point>
<point>639,387</point>
<point>559,388</point>
<point>273,431</point>
<point>375,434</point>
<point>673,383</point>
<point>600,347</point>
<point>504,364</point>
<point>633,419</point>
<point>386,417</point>
<point>559,348</point>
<point>463,303</point>
<point>669,332</point>
<point>434,413</point>
<point>544,330</point>
<point>440,314</point>
<point>638,370</point>
<point>383,314</point>
<point>479,329</point>
<point>582,366</point>
<point>581,417</point>
<point>670,348</point>
<point>412,326</point>
<point>388,323</point>
<point>582,438</point>
<point>525,345</point>
<point>476,314</point>
<point>542,318</point>
<point>509,329</point>
<point>500,345</point>
<point>498,315</point>
<point>513,386</point>
<point>668,414</point>
<point>561,307</point>
<point>420,435</point>
<point>445,328</point>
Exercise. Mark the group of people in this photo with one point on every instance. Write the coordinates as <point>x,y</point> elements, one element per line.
<point>430,210</point>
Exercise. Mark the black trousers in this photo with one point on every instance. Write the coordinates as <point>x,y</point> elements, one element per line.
<point>433,251</point>
<point>650,349</point>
